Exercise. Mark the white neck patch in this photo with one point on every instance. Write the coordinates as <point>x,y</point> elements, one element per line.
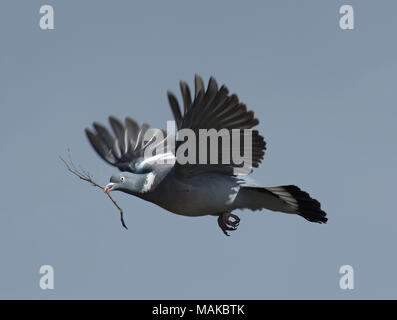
<point>148,182</point>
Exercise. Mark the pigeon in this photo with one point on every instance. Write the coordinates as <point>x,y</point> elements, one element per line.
<point>152,168</point>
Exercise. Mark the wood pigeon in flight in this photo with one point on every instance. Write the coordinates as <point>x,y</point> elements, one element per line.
<point>196,188</point>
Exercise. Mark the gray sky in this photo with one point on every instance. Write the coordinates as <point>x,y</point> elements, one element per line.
<point>327,108</point>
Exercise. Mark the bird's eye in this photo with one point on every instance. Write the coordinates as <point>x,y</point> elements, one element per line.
<point>122,179</point>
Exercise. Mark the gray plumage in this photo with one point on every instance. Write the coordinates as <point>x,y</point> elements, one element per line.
<point>195,189</point>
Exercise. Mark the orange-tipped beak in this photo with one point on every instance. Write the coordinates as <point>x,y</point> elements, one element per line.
<point>108,187</point>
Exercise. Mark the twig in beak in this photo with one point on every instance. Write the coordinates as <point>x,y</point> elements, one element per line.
<point>86,176</point>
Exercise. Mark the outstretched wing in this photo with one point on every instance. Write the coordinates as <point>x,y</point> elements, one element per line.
<point>132,148</point>
<point>215,108</point>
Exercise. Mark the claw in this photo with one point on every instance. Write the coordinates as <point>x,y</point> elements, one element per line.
<point>234,223</point>
<point>226,224</point>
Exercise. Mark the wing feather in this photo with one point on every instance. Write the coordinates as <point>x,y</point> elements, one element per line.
<point>215,108</point>
<point>126,149</point>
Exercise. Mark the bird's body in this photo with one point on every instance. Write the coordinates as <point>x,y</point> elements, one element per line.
<point>192,188</point>
<point>189,198</point>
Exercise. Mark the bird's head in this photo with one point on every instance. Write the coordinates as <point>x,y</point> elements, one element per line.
<point>128,182</point>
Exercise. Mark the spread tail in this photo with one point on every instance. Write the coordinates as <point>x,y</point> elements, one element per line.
<point>289,199</point>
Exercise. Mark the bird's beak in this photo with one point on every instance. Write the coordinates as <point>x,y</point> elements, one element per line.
<point>109,187</point>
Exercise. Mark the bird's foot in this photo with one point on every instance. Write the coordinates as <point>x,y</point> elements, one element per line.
<point>226,223</point>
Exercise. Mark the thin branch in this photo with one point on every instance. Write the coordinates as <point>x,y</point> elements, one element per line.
<point>86,176</point>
